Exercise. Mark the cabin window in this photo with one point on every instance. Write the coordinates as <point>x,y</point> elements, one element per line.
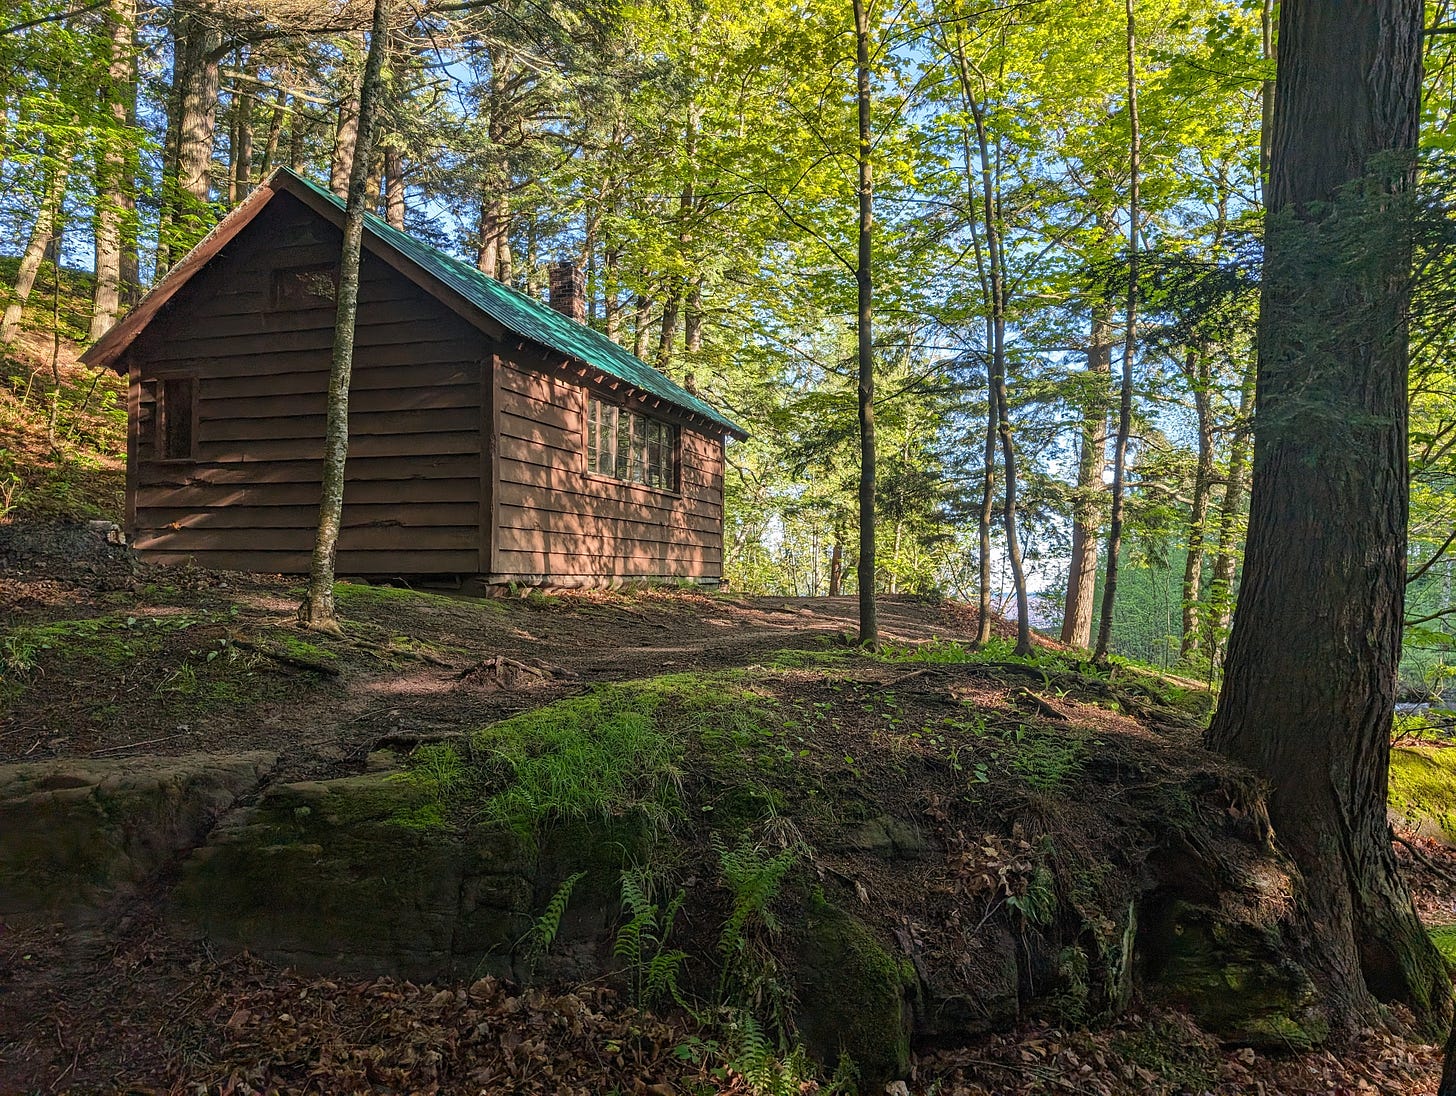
<point>631,447</point>
<point>176,418</point>
<point>299,287</point>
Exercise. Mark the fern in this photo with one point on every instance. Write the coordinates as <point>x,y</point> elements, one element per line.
<point>641,943</point>
<point>543,932</point>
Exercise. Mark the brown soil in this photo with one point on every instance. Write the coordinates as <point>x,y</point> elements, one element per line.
<point>201,661</point>
<point>178,661</point>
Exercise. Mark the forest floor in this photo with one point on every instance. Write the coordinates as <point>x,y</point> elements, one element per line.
<point>103,658</point>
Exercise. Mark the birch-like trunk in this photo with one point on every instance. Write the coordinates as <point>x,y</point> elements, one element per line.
<point>317,609</point>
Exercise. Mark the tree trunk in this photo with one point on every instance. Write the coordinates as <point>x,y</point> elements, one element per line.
<point>275,134</point>
<point>197,105</point>
<point>187,181</point>
<point>242,154</point>
<point>836,566</point>
<point>1201,381</point>
<point>667,334</point>
<point>869,630</point>
<point>641,316</point>
<point>693,329</point>
<point>1129,348</point>
<point>611,305</point>
<point>996,337</point>
<point>44,232</point>
<point>1311,673</point>
<point>115,190</point>
<point>394,188</point>
<point>346,139</point>
<point>1091,461</point>
<point>1220,588</point>
<point>317,609</point>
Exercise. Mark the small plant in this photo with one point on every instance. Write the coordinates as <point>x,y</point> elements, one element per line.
<point>757,1059</point>
<point>439,768</point>
<point>548,924</point>
<point>652,967</point>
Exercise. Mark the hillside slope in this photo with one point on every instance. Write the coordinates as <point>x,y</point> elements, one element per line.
<point>72,469</point>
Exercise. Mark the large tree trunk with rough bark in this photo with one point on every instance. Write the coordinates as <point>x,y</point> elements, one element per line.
<point>1311,671</point>
<point>394,187</point>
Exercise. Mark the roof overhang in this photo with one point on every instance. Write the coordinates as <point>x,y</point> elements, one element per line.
<point>107,352</point>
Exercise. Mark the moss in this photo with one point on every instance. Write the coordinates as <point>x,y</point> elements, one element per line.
<point>1235,979</point>
<point>853,995</point>
<point>1444,937</point>
<point>1423,789</point>
<point>298,648</point>
<point>363,595</point>
<point>1162,1048</point>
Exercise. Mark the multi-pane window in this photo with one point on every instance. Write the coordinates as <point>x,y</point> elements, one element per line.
<point>628,446</point>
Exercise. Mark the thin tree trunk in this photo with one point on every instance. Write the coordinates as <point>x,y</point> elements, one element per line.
<point>44,233</point>
<point>1129,349</point>
<point>693,329</point>
<point>1197,369</point>
<point>317,609</point>
<point>275,134</point>
<point>242,175</point>
<point>611,304</point>
<point>641,317</point>
<point>1310,683</point>
<point>115,192</point>
<point>297,137</point>
<point>996,337</point>
<point>346,139</point>
<point>836,566</point>
<point>667,333</point>
<point>394,188</point>
<point>1091,461</point>
<point>1224,561</point>
<point>869,631</point>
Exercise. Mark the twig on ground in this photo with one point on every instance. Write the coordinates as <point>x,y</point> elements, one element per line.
<point>143,742</point>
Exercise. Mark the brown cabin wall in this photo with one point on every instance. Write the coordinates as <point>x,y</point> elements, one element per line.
<point>250,499</point>
<point>556,523</point>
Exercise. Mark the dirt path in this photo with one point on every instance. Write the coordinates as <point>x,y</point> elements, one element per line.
<point>110,659</point>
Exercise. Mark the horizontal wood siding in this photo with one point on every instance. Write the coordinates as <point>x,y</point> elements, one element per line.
<point>558,523</point>
<point>249,501</point>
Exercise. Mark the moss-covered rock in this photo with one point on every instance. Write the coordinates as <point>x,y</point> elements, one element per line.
<point>1234,977</point>
<point>360,874</point>
<point>77,834</point>
<point>1423,791</point>
<point>855,999</point>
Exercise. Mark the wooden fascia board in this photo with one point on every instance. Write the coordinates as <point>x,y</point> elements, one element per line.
<point>106,351</point>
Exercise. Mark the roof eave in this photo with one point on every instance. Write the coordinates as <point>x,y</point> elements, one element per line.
<point>106,352</point>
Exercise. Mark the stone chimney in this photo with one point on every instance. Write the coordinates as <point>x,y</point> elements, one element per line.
<point>568,290</point>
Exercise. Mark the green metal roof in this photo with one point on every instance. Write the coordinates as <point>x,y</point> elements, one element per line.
<point>531,318</point>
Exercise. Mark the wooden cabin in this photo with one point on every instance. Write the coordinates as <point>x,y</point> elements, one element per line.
<point>490,435</point>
